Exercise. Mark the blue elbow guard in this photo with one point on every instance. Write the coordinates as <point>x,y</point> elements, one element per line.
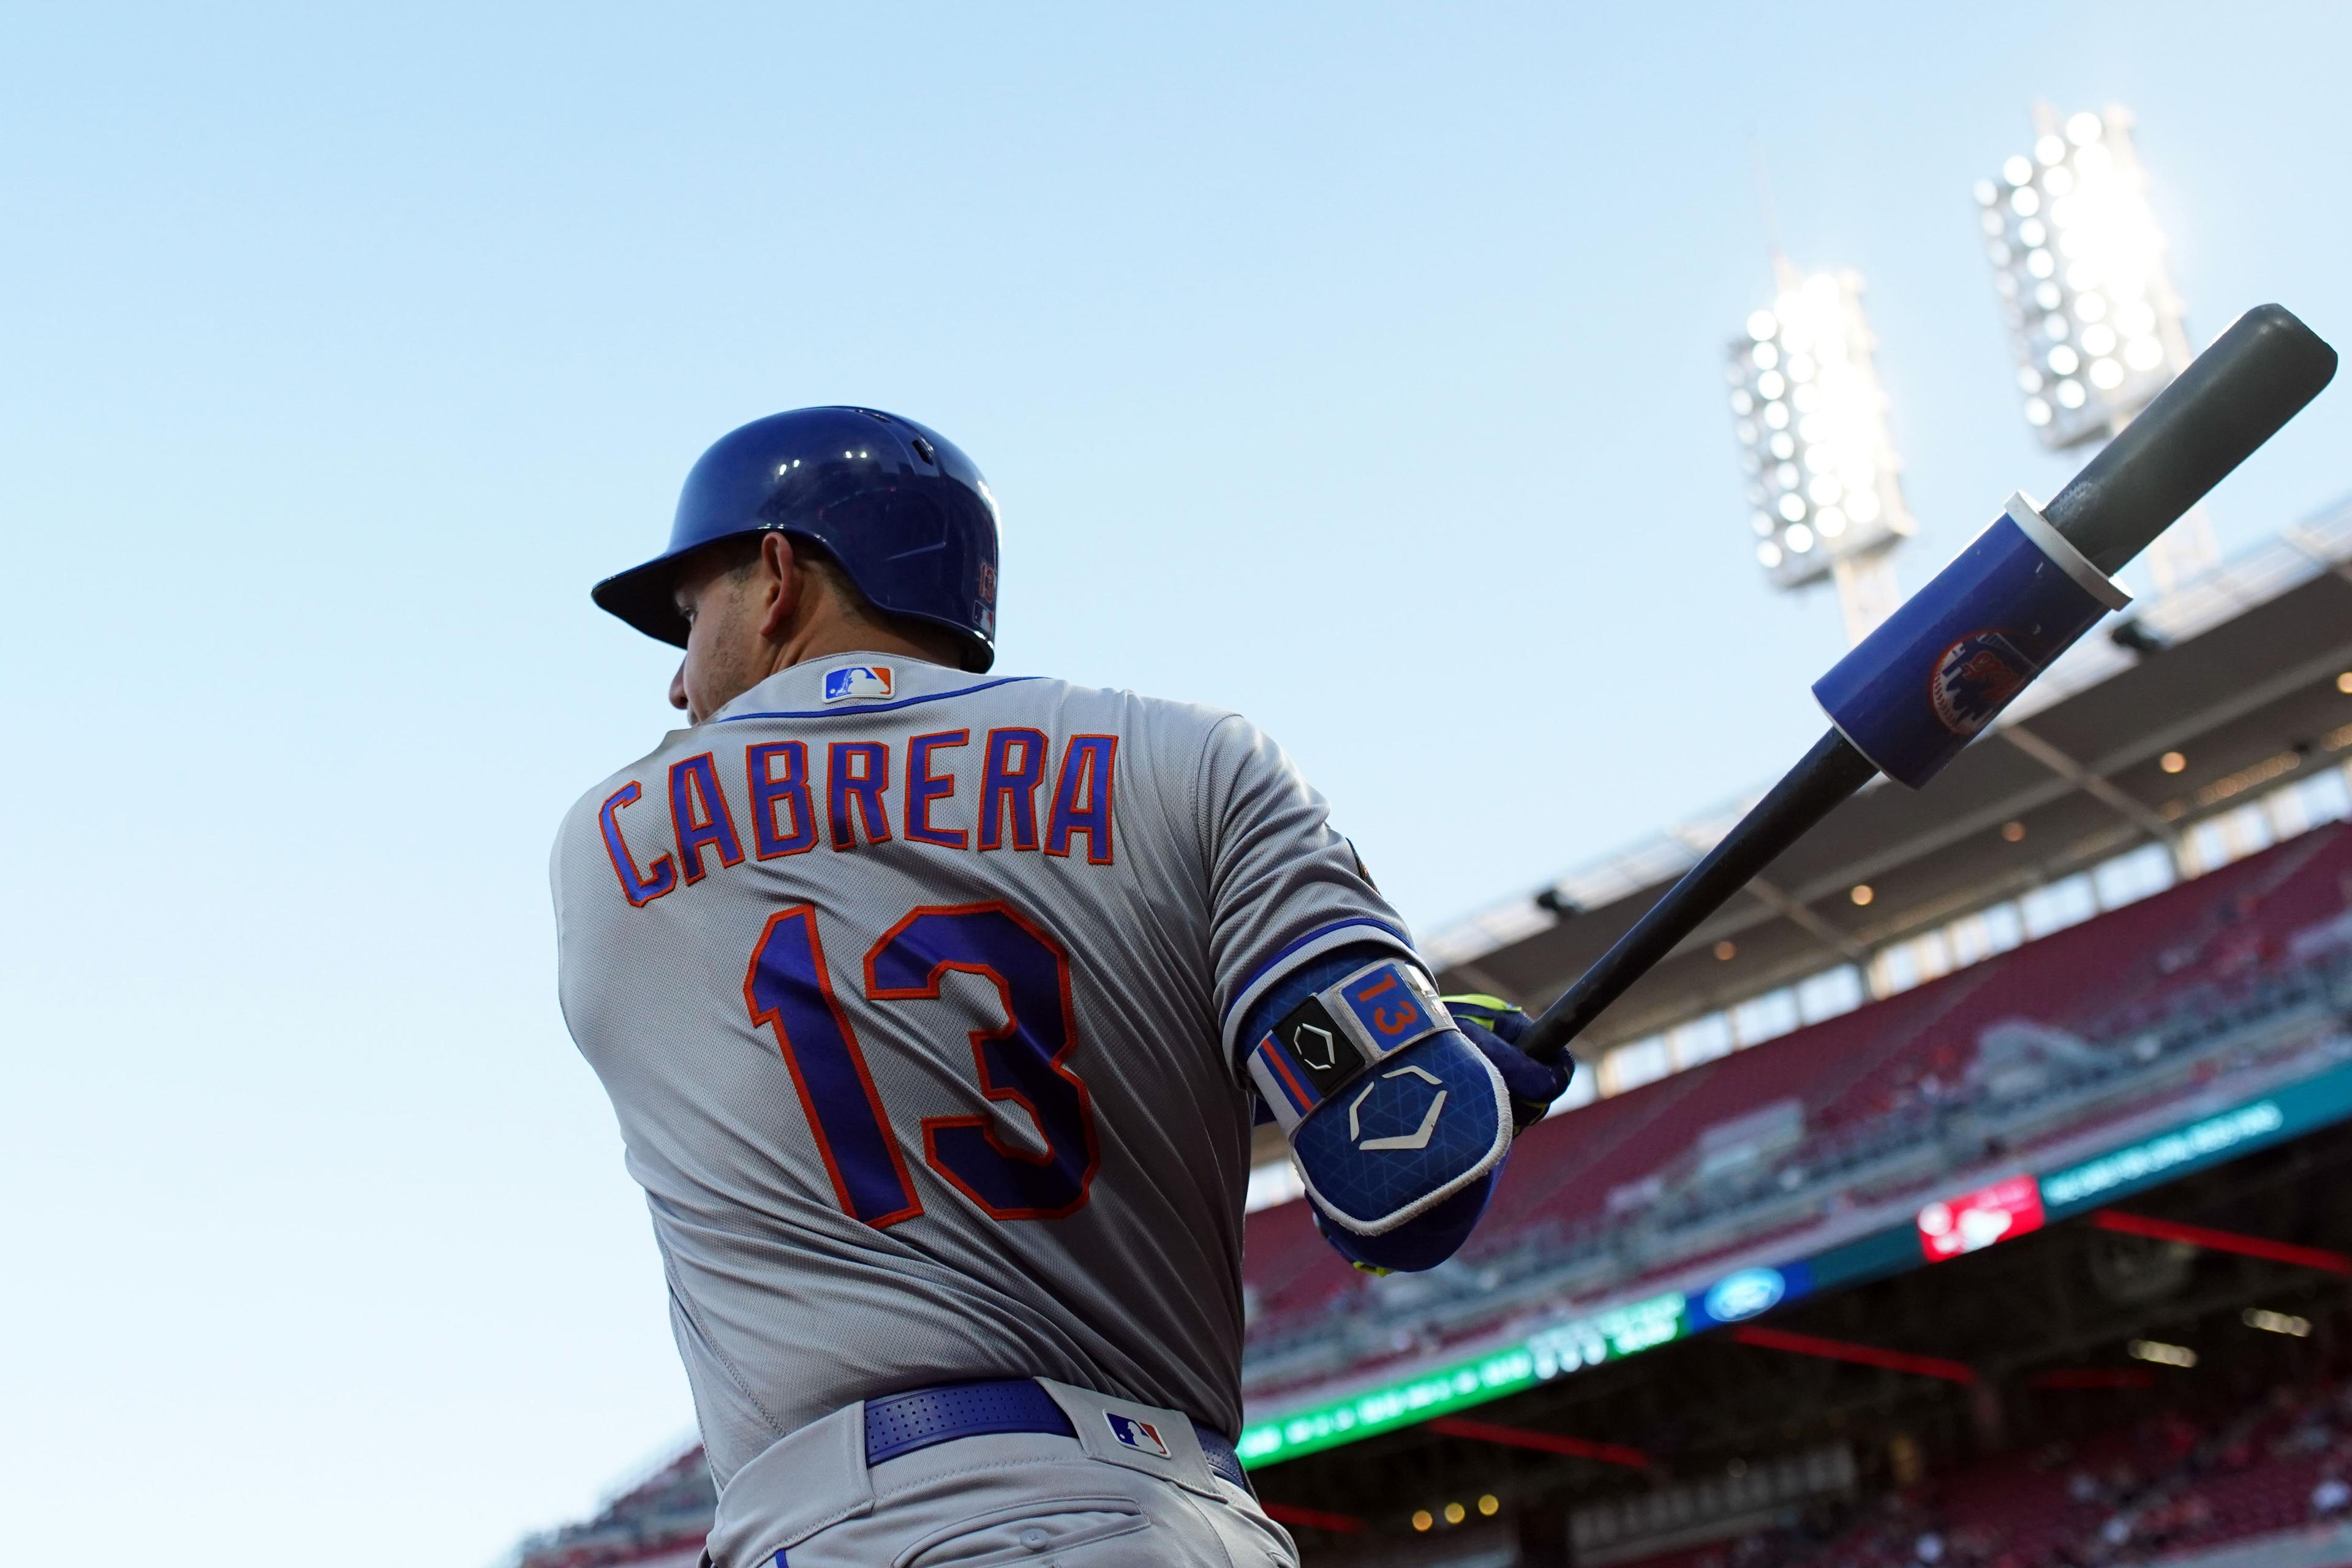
<point>1422,1242</point>
<point>1390,1111</point>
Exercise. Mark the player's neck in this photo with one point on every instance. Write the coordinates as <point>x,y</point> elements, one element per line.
<point>834,632</point>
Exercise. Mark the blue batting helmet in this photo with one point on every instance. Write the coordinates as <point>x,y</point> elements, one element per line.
<point>897,506</point>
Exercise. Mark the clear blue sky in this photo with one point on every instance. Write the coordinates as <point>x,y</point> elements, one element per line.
<point>1351,364</point>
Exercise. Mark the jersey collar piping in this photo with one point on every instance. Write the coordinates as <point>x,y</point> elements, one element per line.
<point>860,710</point>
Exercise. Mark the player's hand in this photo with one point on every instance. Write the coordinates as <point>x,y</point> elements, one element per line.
<point>1495,1026</point>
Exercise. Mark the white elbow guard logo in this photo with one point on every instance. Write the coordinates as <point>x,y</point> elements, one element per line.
<point>1317,1048</point>
<point>1405,1136</point>
<point>1416,1139</point>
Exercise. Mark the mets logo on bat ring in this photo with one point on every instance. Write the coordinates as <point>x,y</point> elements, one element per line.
<point>1974,680</point>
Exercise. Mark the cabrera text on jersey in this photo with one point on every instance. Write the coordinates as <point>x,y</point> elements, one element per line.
<point>797,793</point>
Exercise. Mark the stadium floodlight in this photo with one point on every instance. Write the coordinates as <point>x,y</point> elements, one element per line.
<point>2094,323</point>
<point>2079,266</point>
<point>1824,493</point>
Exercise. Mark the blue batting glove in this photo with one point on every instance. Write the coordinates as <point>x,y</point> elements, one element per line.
<point>1495,1026</point>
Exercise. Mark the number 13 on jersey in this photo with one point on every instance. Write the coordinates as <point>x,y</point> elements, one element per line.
<point>789,992</point>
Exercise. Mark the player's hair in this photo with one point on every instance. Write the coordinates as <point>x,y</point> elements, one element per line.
<point>739,555</point>
<point>742,552</point>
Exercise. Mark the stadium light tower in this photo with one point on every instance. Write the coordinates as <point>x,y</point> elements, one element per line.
<point>1823,487</point>
<point>2078,264</point>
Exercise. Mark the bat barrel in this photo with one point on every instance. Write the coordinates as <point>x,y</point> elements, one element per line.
<point>2232,397</point>
<point>1831,770</point>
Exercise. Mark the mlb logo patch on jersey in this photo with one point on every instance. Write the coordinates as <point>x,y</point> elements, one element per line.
<point>1140,1436</point>
<point>858,683</point>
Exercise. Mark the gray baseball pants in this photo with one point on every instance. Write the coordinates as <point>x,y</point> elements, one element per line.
<point>810,1500</point>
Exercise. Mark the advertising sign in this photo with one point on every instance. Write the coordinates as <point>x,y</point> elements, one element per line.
<point>1973,1221</point>
<point>1555,1351</point>
<point>1749,1293</point>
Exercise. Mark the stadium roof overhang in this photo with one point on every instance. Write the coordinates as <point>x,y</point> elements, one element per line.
<point>2238,672</point>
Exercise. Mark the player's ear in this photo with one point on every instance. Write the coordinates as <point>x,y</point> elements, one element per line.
<point>784,583</point>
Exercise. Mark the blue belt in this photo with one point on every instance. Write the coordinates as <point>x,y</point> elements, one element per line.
<point>905,1423</point>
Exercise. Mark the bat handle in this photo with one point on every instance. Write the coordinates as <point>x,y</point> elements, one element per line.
<point>1831,770</point>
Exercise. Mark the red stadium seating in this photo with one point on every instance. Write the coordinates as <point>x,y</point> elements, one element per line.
<point>659,1523</point>
<point>2149,1488</point>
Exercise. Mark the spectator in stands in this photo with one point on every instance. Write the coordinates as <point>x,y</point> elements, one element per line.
<point>2196,1516</point>
<point>2166,1523</point>
<point>2330,1496</point>
<point>2309,1434</point>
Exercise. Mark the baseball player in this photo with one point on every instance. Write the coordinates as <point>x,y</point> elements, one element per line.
<point>935,1005</point>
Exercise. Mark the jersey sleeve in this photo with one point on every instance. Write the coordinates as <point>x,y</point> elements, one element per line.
<point>1284,887</point>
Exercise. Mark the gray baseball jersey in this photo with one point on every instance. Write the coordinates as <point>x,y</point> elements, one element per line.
<point>914,992</point>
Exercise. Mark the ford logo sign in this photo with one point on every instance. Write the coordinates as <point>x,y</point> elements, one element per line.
<point>1745,1294</point>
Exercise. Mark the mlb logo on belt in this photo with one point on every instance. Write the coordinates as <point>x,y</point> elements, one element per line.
<point>1140,1436</point>
<point>858,683</point>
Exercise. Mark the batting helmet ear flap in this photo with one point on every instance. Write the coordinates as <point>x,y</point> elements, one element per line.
<point>899,508</point>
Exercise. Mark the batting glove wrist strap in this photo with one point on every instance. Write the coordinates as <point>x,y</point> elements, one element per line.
<point>1335,1037</point>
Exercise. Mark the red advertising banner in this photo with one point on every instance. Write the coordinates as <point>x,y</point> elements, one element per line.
<point>1977,1219</point>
